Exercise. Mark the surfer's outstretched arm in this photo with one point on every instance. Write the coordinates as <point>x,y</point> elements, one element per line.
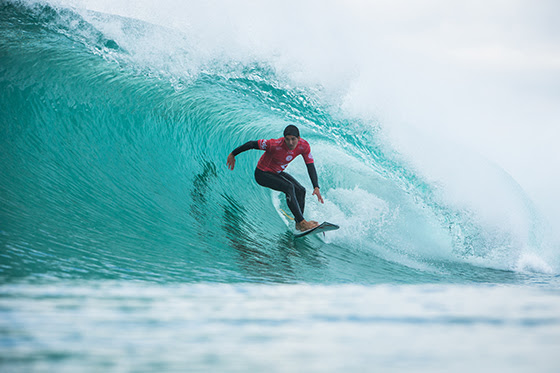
<point>313,176</point>
<point>248,145</point>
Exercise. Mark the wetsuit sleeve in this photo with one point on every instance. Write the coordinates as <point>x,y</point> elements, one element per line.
<point>307,157</point>
<point>245,147</point>
<point>312,174</point>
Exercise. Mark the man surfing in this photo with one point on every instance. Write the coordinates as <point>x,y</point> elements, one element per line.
<point>278,153</point>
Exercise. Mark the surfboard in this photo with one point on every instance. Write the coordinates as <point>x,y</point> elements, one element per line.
<point>323,227</point>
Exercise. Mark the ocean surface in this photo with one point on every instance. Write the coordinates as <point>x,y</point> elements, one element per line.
<point>127,245</point>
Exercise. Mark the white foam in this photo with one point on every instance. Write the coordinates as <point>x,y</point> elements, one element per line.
<point>529,262</point>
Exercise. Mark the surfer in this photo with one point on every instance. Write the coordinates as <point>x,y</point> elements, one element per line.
<point>278,153</point>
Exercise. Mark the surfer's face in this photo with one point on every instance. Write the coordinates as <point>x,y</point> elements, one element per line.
<point>291,141</point>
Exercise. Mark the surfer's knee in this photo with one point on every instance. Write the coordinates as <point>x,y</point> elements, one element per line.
<point>291,192</point>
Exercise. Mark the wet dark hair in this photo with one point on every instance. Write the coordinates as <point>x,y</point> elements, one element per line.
<point>291,130</point>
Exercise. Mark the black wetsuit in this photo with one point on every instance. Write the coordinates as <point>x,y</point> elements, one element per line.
<point>283,182</point>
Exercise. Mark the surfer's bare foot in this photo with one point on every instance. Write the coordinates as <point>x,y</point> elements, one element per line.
<point>305,225</point>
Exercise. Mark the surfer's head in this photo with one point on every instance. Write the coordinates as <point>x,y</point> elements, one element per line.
<point>291,130</point>
<point>291,136</point>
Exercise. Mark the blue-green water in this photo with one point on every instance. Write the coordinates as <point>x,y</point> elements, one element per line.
<point>127,244</point>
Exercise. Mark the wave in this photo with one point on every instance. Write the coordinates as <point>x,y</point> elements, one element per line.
<point>113,166</point>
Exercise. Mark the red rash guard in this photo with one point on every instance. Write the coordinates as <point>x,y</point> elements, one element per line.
<point>277,156</point>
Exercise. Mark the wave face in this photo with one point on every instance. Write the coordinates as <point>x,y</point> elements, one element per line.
<point>112,166</point>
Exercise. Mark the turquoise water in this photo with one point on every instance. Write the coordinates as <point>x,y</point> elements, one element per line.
<point>127,244</point>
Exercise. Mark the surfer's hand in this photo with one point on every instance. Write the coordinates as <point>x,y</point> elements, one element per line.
<point>231,161</point>
<point>317,193</point>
